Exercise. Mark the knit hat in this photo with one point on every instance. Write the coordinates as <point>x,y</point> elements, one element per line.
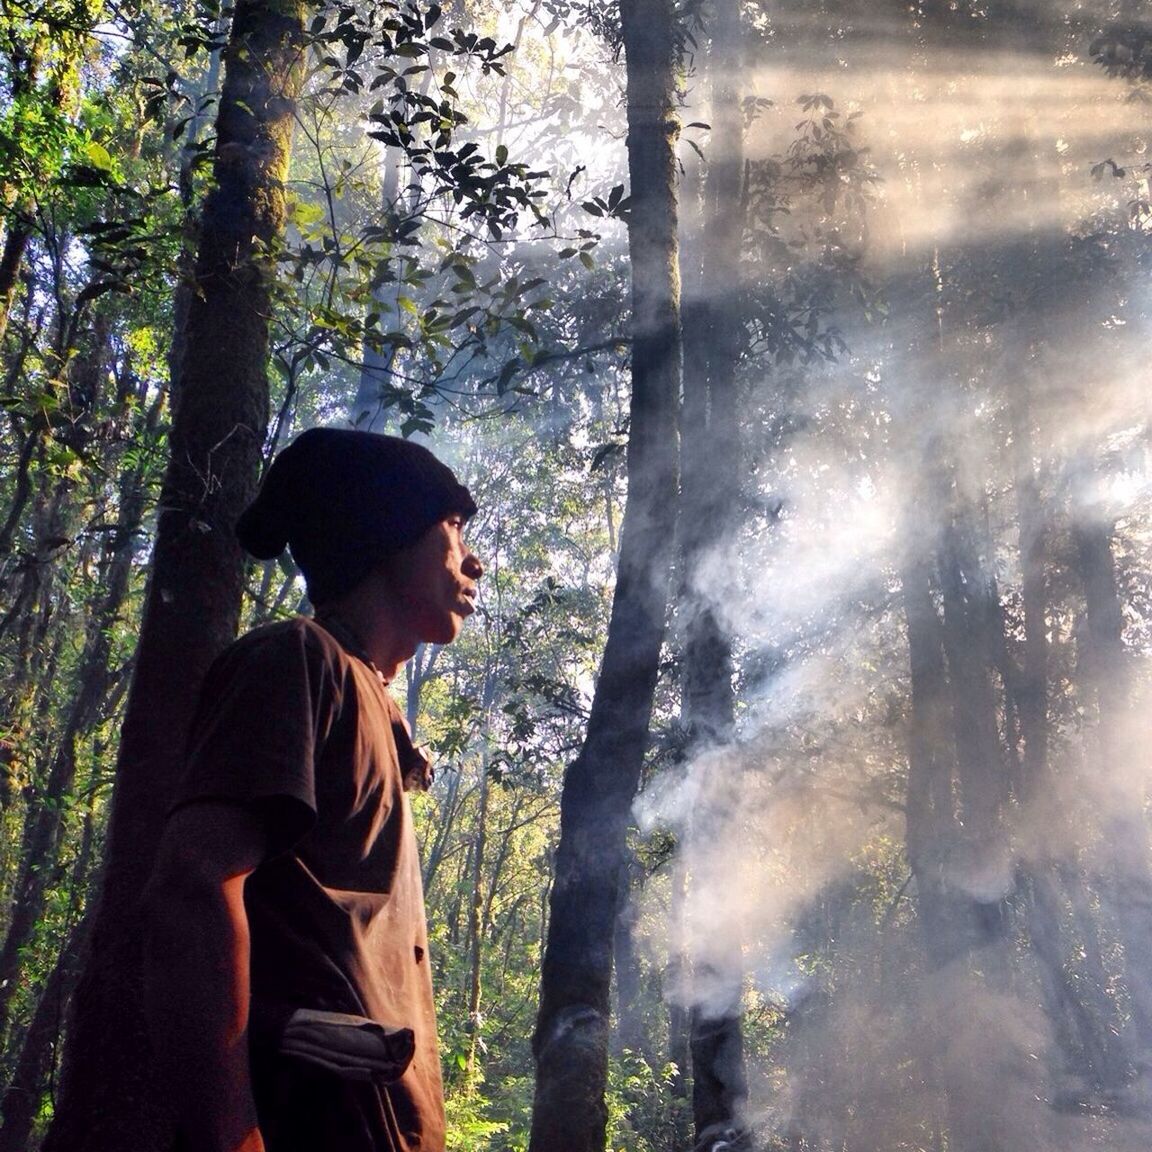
<point>341,500</point>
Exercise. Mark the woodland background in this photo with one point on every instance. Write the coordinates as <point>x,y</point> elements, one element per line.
<point>796,354</point>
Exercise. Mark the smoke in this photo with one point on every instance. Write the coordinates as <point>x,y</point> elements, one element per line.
<point>797,888</point>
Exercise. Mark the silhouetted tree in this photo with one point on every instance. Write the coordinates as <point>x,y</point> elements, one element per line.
<point>712,484</point>
<point>571,1040</point>
<point>219,422</point>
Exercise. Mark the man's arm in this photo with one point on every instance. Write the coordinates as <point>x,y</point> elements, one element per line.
<point>196,972</point>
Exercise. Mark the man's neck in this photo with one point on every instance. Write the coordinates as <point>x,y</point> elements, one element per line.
<point>373,626</point>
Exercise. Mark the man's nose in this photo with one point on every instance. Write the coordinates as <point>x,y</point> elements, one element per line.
<point>472,568</point>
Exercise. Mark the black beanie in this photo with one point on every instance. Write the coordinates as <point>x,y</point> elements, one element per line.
<point>342,500</point>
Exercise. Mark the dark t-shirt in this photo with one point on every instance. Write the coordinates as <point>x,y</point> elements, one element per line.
<point>295,727</point>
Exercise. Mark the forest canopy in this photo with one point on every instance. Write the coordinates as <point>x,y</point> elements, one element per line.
<point>826,361</point>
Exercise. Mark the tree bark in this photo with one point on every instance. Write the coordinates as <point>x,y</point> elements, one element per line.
<point>11,258</point>
<point>712,480</point>
<point>32,1073</point>
<point>956,759</point>
<point>23,1097</point>
<point>930,831</point>
<point>44,824</point>
<point>1032,687</point>
<point>1125,840</point>
<point>1072,977</point>
<point>196,581</point>
<point>477,926</point>
<point>969,621</point>
<point>679,1025</point>
<point>630,1030</point>
<point>572,1031</point>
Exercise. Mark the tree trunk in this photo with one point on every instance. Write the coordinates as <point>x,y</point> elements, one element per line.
<point>1125,838</point>
<point>679,1026</point>
<point>712,481</point>
<point>370,404</point>
<point>930,824</point>
<point>1032,687</point>
<point>32,1074</point>
<point>23,1097</point>
<point>184,292</point>
<point>477,928</point>
<point>1083,1017</point>
<point>196,581</point>
<point>950,920</point>
<point>630,1030</point>
<point>11,257</point>
<point>21,491</point>
<point>45,821</point>
<point>36,616</point>
<point>969,620</point>
<point>1075,990</point>
<point>572,1030</point>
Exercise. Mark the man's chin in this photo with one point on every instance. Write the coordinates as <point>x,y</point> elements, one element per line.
<point>443,631</point>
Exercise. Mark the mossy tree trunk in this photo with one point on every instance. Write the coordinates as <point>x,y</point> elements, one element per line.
<point>219,422</point>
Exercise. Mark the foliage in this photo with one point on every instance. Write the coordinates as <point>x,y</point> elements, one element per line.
<point>645,1114</point>
<point>941,311</point>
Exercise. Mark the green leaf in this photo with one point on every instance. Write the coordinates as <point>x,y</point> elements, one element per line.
<point>98,156</point>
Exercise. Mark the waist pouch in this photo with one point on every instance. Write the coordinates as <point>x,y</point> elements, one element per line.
<point>350,1047</point>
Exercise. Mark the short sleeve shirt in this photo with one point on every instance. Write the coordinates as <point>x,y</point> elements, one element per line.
<point>297,728</point>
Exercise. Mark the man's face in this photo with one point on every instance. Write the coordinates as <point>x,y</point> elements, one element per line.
<point>435,580</point>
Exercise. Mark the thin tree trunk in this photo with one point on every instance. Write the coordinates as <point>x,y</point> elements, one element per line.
<point>1032,687</point>
<point>445,825</point>
<point>1072,975</point>
<point>1115,1067</point>
<point>36,615</point>
<point>44,824</point>
<point>370,404</point>
<point>476,926</point>
<point>930,825</point>
<point>23,1096</point>
<point>968,622</point>
<point>1125,838</point>
<point>630,1033</point>
<point>572,1030</point>
<point>11,257</point>
<point>21,491</point>
<point>1082,1014</point>
<point>712,481</point>
<point>185,289</point>
<point>949,921</point>
<point>196,581</point>
<point>679,1029</point>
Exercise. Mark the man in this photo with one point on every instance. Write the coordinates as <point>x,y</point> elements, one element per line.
<point>288,982</point>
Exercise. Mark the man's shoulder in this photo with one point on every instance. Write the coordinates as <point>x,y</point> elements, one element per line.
<point>281,638</point>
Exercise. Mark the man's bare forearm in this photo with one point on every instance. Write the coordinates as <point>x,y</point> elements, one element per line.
<point>197,986</point>
<point>197,1000</point>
